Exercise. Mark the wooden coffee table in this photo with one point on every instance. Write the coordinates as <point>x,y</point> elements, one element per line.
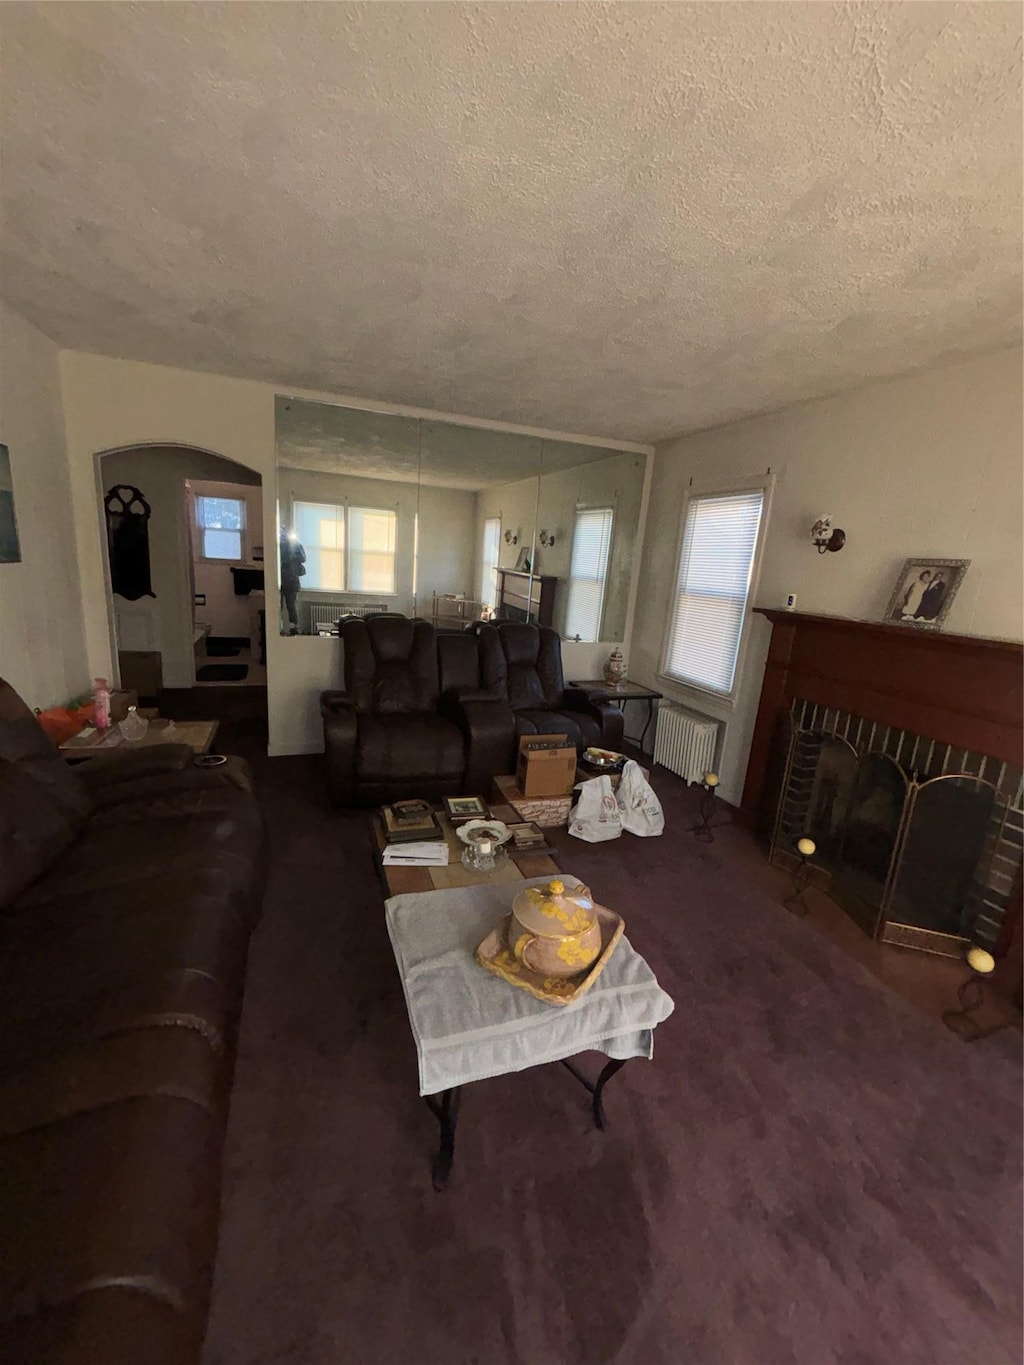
<point>401,881</point>
<point>197,734</point>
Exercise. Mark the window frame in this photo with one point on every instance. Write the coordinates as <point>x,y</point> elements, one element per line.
<point>199,489</point>
<point>765,483</point>
<point>582,509</point>
<point>345,508</point>
<point>493,589</point>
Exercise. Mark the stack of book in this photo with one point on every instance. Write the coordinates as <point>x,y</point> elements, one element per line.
<point>528,838</point>
<point>413,837</point>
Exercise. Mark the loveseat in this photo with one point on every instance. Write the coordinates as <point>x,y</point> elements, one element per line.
<point>129,888</point>
<point>435,714</point>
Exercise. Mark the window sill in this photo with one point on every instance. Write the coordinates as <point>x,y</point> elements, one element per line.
<point>717,704</point>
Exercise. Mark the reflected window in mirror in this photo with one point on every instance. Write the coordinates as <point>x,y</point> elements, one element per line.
<point>588,572</point>
<point>489,562</point>
<point>347,549</point>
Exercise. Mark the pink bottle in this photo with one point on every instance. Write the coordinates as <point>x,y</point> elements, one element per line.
<point>101,697</point>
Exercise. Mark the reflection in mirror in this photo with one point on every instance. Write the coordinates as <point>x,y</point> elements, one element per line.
<point>588,519</point>
<point>478,500</point>
<point>449,522</point>
<point>348,495</point>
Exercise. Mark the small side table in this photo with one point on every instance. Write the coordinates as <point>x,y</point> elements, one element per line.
<point>470,1026</point>
<point>621,693</point>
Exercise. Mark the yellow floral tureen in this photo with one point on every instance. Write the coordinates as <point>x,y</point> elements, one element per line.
<point>554,932</point>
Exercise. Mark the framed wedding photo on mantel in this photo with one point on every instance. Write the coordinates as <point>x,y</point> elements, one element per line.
<point>10,549</point>
<point>924,592</point>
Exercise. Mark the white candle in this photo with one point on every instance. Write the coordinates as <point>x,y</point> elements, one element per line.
<point>981,962</point>
<point>711,779</point>
<point>486,847</point>
<point>805,847</point>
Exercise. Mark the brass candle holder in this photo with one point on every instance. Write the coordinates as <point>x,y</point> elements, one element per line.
<point>971,994</point>
<point>702,831</point>
<point>796,902</point>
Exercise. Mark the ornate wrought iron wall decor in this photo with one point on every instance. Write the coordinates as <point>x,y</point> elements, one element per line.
<point>918,842</point>
<point>127,514</point>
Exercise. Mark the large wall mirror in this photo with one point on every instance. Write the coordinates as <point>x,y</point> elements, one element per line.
<point>451,523</point>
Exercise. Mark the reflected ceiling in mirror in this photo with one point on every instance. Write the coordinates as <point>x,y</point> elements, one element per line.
<point>456,544</point>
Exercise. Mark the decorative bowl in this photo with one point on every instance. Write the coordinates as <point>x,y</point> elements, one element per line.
<point>603,760</point>
<point>474,830</point>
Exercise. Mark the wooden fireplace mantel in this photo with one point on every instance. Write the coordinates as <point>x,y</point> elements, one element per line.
<point>963,690</point>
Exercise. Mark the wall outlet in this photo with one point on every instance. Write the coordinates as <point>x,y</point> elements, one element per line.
<point>200,599</point>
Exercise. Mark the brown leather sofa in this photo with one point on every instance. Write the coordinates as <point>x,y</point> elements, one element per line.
<point>439,714</point>
<point>523,663</point>
<point>129,888</point>
<point>399,728</point>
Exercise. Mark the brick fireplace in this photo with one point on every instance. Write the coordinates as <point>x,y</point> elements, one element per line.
<point>899,752</point>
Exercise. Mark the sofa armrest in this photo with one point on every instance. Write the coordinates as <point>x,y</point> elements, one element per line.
<point>341,728</point>
<point>129,765</point>
<point>598,706</point>
<point>489,734</point>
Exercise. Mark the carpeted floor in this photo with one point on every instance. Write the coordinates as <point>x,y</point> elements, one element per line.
<point>810,1171</point>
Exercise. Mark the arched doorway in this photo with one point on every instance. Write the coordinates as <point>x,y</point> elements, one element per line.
<point>190,638</point>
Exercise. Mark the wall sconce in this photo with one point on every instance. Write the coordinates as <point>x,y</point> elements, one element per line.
<point>547,538</point>
<point>511,539</point>
<point>824,538</point>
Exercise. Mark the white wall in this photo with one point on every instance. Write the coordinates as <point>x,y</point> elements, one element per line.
<point>447,545</point>
<point>929,464</point>
<point>110,404</point>
<point>42,643</point>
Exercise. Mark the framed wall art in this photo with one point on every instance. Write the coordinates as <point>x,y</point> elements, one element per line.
<point>924,592</point>
<point>10,548</point>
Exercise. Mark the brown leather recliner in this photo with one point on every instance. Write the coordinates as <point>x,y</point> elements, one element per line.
<point>395,732</point>
<point>524,664</point>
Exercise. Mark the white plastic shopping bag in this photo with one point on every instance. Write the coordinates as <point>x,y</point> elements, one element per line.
<point>639,809</point>
<point>595,816</point>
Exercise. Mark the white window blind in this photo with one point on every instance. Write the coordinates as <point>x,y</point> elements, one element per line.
<point>221,523</point>
<point>708,609</point>
<point>489,561</point>
<point>371,560</point>
<point>588,572</point>
<point>320,528</point>
<point>348,549</point>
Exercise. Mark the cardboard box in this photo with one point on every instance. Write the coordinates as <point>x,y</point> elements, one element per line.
<point>546,765</point>
<point>141,671</point>
<point>546,811</point>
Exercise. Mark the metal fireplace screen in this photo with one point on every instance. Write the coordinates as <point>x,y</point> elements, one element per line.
<point>920,843</point>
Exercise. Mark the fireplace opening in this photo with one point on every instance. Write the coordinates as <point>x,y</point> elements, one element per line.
<point>918,843</point>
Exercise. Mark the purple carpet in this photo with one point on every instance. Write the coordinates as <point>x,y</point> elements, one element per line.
<point>810,1170</point>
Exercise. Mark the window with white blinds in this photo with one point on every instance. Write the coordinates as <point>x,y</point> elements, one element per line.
<point>710,601</point>
<point>489,561</point>
<point>588,572</point>
<point>348,549</point>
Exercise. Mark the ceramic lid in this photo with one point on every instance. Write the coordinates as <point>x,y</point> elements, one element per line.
<point>552,912</point>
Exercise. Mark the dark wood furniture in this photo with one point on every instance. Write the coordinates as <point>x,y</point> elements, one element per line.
<point>527,597</point>
<point>620,693</point>
<point>963,690</point>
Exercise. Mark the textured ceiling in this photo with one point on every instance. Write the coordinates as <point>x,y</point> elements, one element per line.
<point>330,439</point>
<point>621,219</point>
